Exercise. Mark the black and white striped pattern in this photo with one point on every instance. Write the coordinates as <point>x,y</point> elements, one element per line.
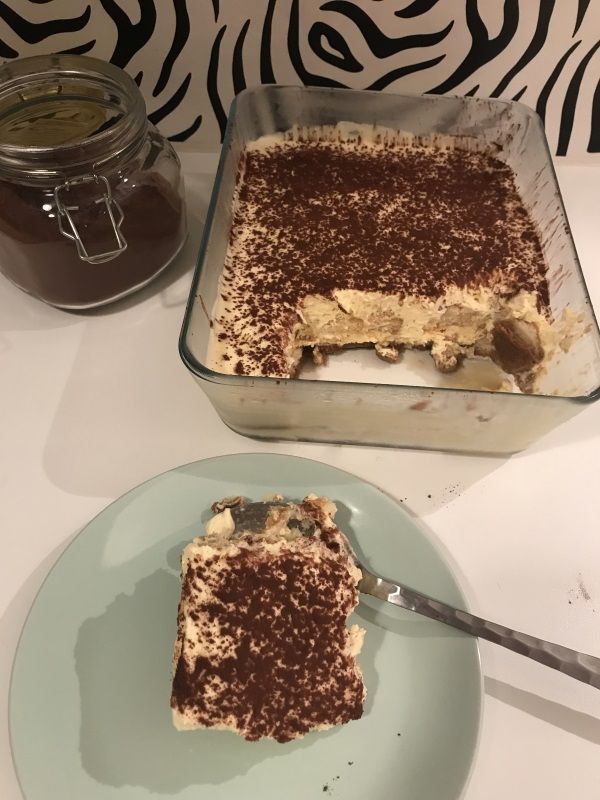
<point>190,57</point>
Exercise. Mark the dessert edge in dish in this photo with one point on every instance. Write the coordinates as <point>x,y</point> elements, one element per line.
<point>262,644</point>
<point>354,235</point>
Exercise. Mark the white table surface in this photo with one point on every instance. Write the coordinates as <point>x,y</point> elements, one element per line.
<point>92,405</point>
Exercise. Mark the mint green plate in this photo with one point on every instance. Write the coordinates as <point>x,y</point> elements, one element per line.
<point>89,704</point>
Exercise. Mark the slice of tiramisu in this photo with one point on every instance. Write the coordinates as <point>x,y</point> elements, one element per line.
<point>359,235</point>
<point>263,648</point>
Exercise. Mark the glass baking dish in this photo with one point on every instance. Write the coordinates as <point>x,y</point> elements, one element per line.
<point>409,404</point>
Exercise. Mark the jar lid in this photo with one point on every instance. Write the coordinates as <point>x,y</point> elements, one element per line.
<point>63,115</point>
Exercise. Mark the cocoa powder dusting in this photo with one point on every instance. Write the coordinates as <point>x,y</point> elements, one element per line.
<point>288,670</point>
<point>313,217</point>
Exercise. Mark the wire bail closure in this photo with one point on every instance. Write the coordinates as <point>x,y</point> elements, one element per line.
<point>113,209</point>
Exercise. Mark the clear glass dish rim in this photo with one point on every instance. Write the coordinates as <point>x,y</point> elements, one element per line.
<point>201,371</point>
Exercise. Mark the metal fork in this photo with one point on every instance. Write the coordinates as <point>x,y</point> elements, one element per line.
<point>581,666</point>
<point>585,668</point>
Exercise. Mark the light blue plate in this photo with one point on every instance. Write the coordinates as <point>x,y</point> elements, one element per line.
<point>89,704</point>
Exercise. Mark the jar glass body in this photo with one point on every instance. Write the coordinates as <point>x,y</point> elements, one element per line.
<point>87,220</point>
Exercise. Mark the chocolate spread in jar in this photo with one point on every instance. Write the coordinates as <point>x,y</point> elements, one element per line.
<point>91,201</point>
<point>36,256</point>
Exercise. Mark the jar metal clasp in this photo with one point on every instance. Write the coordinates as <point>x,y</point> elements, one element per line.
<point>66,221</point>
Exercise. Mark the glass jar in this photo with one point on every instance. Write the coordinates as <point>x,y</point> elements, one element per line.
<point>91,195</point>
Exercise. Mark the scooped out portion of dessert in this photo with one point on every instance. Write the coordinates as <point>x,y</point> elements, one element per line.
<point>263,647</point>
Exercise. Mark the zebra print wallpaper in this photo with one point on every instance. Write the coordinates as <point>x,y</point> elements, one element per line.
<point>190,57</point>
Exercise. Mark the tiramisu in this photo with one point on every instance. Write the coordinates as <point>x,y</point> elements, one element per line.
<point>355,235</point>
<point>263,648</point>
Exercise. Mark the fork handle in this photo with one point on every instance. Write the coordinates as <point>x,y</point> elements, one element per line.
<point>583,667</point>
